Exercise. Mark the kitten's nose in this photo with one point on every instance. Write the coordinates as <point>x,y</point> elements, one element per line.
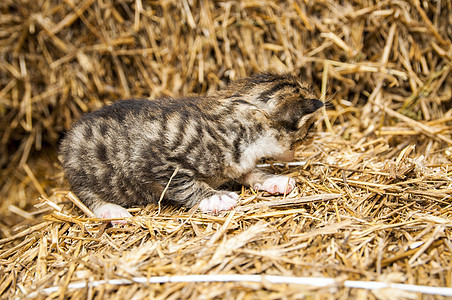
<point>314,105</point>
<point>318,104</point>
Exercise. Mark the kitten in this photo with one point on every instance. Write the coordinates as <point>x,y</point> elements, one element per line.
<point>125,153</point>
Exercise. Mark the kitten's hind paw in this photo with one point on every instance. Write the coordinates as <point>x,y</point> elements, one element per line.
<point>276,185</point>
<point>112,211</point>
<point>218,202</point>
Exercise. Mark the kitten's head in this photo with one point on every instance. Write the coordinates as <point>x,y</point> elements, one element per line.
<point>290,104</point>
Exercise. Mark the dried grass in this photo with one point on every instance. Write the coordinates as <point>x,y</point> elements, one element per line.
<point>374,196</point>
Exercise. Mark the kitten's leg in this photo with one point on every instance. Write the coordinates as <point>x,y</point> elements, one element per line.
<point>107,210</point>
<point>189,192</point>
<point>263,181</point>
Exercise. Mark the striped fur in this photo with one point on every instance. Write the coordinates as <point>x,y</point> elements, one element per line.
<point>125,153</point>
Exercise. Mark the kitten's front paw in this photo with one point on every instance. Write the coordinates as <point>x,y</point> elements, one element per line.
<point>218,202</point>
<point>276,185</point>
<point>112,211</point>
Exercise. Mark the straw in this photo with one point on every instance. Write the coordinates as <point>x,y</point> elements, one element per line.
<point>371,214</point>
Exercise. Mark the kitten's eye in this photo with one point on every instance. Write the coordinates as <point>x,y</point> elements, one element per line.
<point>311,126</point>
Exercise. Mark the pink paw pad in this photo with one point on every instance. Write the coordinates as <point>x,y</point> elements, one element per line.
<point>112,211</point>
<point>276,185</point>
<point>219,202</point>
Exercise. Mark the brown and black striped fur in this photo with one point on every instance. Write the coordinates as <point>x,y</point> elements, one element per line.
<point>125,153</point>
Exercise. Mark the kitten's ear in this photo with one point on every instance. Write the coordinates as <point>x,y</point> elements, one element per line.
<point>312,105</point>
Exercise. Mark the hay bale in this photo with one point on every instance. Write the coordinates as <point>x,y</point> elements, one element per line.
<point>61,60</point>
<point>384,68</point>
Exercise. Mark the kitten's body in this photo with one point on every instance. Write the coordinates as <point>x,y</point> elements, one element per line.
<point>126,153</point>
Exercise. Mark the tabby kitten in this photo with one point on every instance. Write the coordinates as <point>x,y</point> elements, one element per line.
<point>125,153</point>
